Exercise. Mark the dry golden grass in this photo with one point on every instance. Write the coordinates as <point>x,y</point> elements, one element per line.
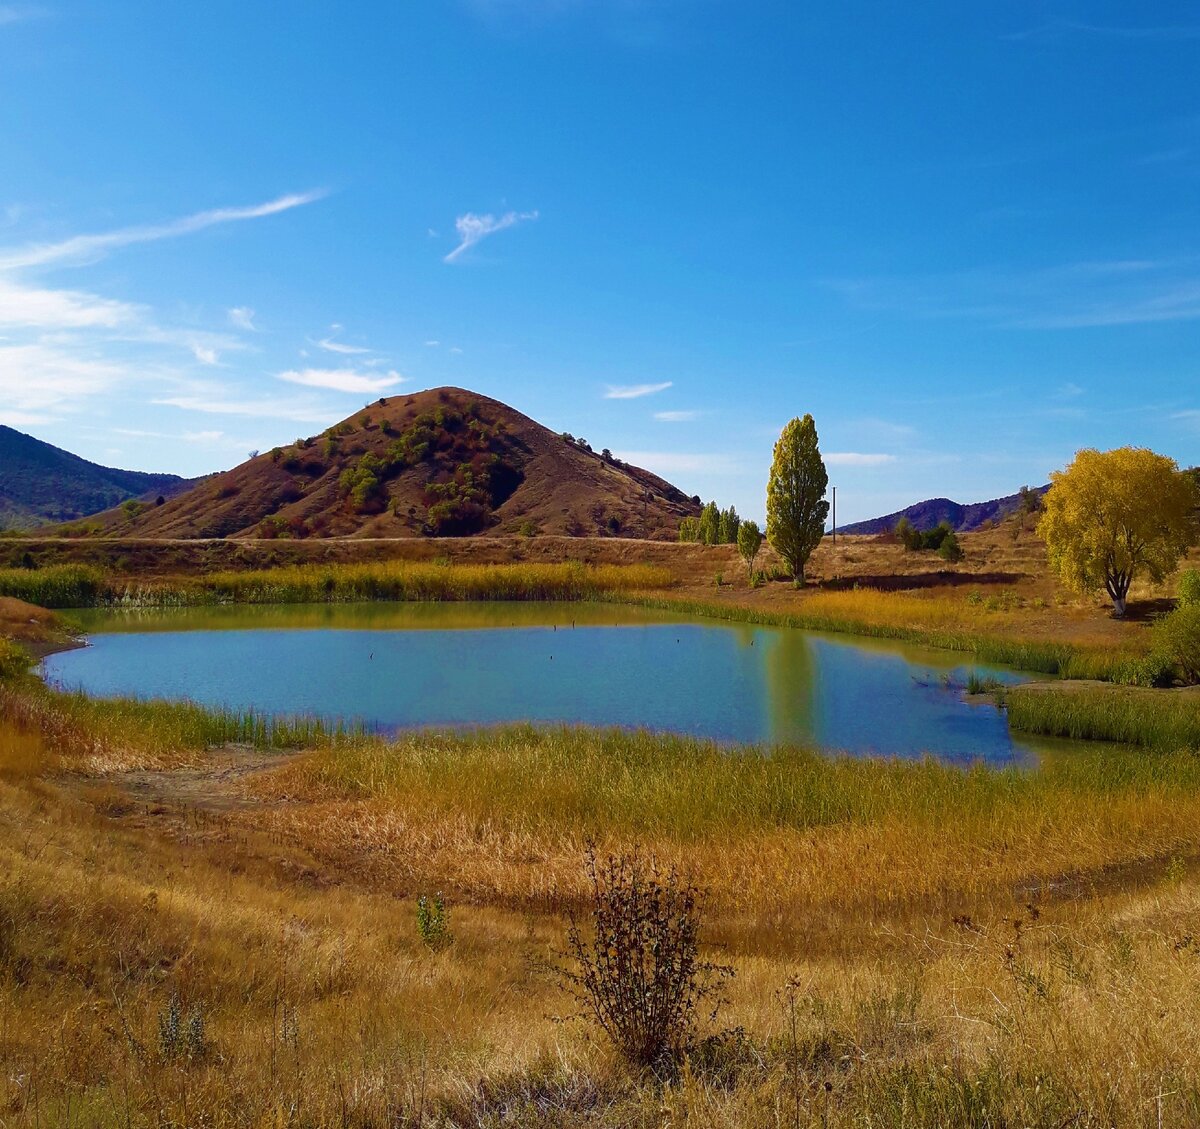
<point>277,905</point>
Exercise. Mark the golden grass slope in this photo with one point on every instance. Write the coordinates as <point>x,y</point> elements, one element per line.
<point>913,945</point>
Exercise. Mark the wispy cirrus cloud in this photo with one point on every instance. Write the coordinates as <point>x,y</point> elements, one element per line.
<point>682,462</point>
<point>1071,296</point>
<point>226,402</point>
<point>242,317</point>
<point>1057,29</point>
<point>686,416</point>
<point>15,14</point>
<point>342,380</point>
<point>36,307</point>
<point>331,345</point>
<point>38,381</point>
<point>635,391</point>
<point>85,248</point>
<point>473,229</point>
<point>65,346</point>
<point>857,459</point>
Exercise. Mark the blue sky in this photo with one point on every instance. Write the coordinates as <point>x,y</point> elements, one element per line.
<point>966,237</point>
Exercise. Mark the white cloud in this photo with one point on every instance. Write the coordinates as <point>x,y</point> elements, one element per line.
<point>341,380</point>
<point>38,378</point>
<point>217,403</point>
<point>633,391</point>
<point>432,344</point>
<point>243,318</point>
<point>205,354</point>
<point>86,248</point>
<point>332,346</point>
<point>675,462</point>
<point>856,458</point>
<point>677,416</point>
<point>455,349</point>
<point>36,308</point>
<point>11,14</point>
<point>15,418</point>
<point>474,228</point>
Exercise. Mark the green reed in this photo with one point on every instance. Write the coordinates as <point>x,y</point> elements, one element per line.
<point>1162,719</point>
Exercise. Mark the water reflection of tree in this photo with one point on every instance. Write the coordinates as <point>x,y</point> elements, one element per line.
<point>791,676</point>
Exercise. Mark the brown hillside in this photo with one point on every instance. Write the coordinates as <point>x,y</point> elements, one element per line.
<point>442,462</point>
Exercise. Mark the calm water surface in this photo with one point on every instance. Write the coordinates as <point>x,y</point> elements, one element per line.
<point>403,665</point>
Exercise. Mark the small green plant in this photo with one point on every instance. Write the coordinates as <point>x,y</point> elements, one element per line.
<point>433,922</point>
<point>1176,870</point>
<point>982,684</point>
<point>14,659</point>
<point>1189,588</point>
<point>719,580</point>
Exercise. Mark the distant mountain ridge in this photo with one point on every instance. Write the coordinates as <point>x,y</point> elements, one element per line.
<point>926,515</point>
<point>441,462</point>
<point>41,483</point>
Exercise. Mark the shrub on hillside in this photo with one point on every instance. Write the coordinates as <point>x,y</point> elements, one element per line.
<point>950,549</point>
<point>14,659</point>
<point>1189,587</point>
<point>1177,638</point>
<point>908,534</point>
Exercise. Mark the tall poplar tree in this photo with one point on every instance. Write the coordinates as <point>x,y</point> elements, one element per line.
<point>796,506</point>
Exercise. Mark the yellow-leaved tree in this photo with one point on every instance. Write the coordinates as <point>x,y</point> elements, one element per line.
<point>1112,515</point>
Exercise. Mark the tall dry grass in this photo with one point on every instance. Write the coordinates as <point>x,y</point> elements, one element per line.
<point>65,586</point>
<point>914,944</point>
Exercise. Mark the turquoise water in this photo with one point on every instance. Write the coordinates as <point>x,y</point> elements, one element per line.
<point>406,665</point>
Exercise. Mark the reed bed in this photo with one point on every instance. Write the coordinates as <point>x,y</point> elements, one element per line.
<point>115,734</point>
<point>991,637</point>
<point>1160,719</point>
<point>66,586</point>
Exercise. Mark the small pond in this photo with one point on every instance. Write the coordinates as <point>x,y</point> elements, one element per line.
<point>397,666</point>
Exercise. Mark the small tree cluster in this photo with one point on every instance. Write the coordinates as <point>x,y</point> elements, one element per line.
<point>713,527</point>
<point>941,539</point>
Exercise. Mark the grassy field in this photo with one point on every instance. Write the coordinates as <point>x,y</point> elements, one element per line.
<point>199,932</point>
